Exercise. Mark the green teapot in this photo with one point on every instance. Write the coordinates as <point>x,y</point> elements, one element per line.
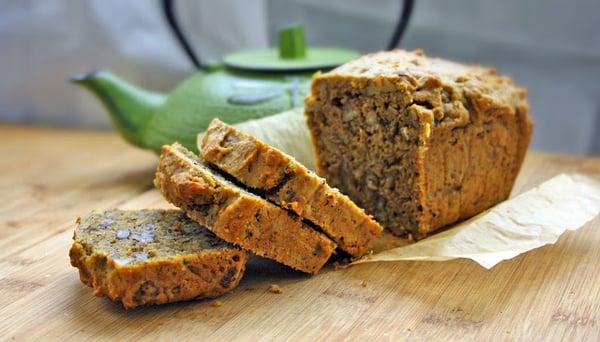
<point>247,85</point>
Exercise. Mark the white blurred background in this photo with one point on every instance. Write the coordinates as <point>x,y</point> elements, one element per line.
<point>552,47</point>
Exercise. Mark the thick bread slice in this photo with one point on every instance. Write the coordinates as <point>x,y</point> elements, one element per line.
<point>281,179</point>
<point>238,216</point>
<point>153,257</point>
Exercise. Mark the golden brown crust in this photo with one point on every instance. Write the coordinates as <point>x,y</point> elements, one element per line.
<point>483,159</point>
<point>169,274</point>
<point>238,216</point>
<point>281,179</point>
<point>418,142</point>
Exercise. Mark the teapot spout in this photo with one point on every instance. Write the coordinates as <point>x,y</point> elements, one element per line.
<point>130,107</point>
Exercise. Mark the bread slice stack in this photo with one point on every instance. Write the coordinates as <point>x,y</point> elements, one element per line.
<point>238,216</point>
<point>262,200</point>
<point>280,179</point>
<point>239,196</point>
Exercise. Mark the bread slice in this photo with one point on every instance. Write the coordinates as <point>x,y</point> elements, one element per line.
<point>281,179</point>
<point>153,257</point>
<point>418,142</point>
<point>238,216</point>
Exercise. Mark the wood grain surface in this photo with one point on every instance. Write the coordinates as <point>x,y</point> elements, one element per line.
<point>51,176</point>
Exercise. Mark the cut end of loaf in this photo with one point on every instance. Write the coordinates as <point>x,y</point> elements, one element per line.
<point>418,142</point>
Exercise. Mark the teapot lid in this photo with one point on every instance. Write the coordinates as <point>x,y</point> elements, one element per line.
<point>291,55</point>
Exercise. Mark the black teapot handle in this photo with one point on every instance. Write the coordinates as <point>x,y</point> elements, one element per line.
<point>401,24</point>
<point>171,17</point>
<point>169,12</point>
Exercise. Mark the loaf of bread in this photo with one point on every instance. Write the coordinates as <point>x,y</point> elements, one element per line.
<point>418,142</point>
<point>238,216</point>
<point>152,257</point>
<point>282,180</point>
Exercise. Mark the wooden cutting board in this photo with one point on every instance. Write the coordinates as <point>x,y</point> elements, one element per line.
<point>51,176</point>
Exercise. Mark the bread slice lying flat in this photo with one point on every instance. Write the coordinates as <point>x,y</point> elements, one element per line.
<point>148,257</point>
<point>238,216</point>
<point>281,179</point>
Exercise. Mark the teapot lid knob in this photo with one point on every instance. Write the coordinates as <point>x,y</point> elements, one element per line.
<point>292,44</point>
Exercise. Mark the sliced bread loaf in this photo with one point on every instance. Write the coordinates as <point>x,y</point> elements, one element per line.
<point>418,142</point>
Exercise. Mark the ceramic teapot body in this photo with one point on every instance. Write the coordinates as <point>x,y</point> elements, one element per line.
<point>150,120</point>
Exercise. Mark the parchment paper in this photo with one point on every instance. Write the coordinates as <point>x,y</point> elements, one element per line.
<point>533,219</point>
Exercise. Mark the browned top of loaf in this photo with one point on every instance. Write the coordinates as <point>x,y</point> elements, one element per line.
<point>413,66</point>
